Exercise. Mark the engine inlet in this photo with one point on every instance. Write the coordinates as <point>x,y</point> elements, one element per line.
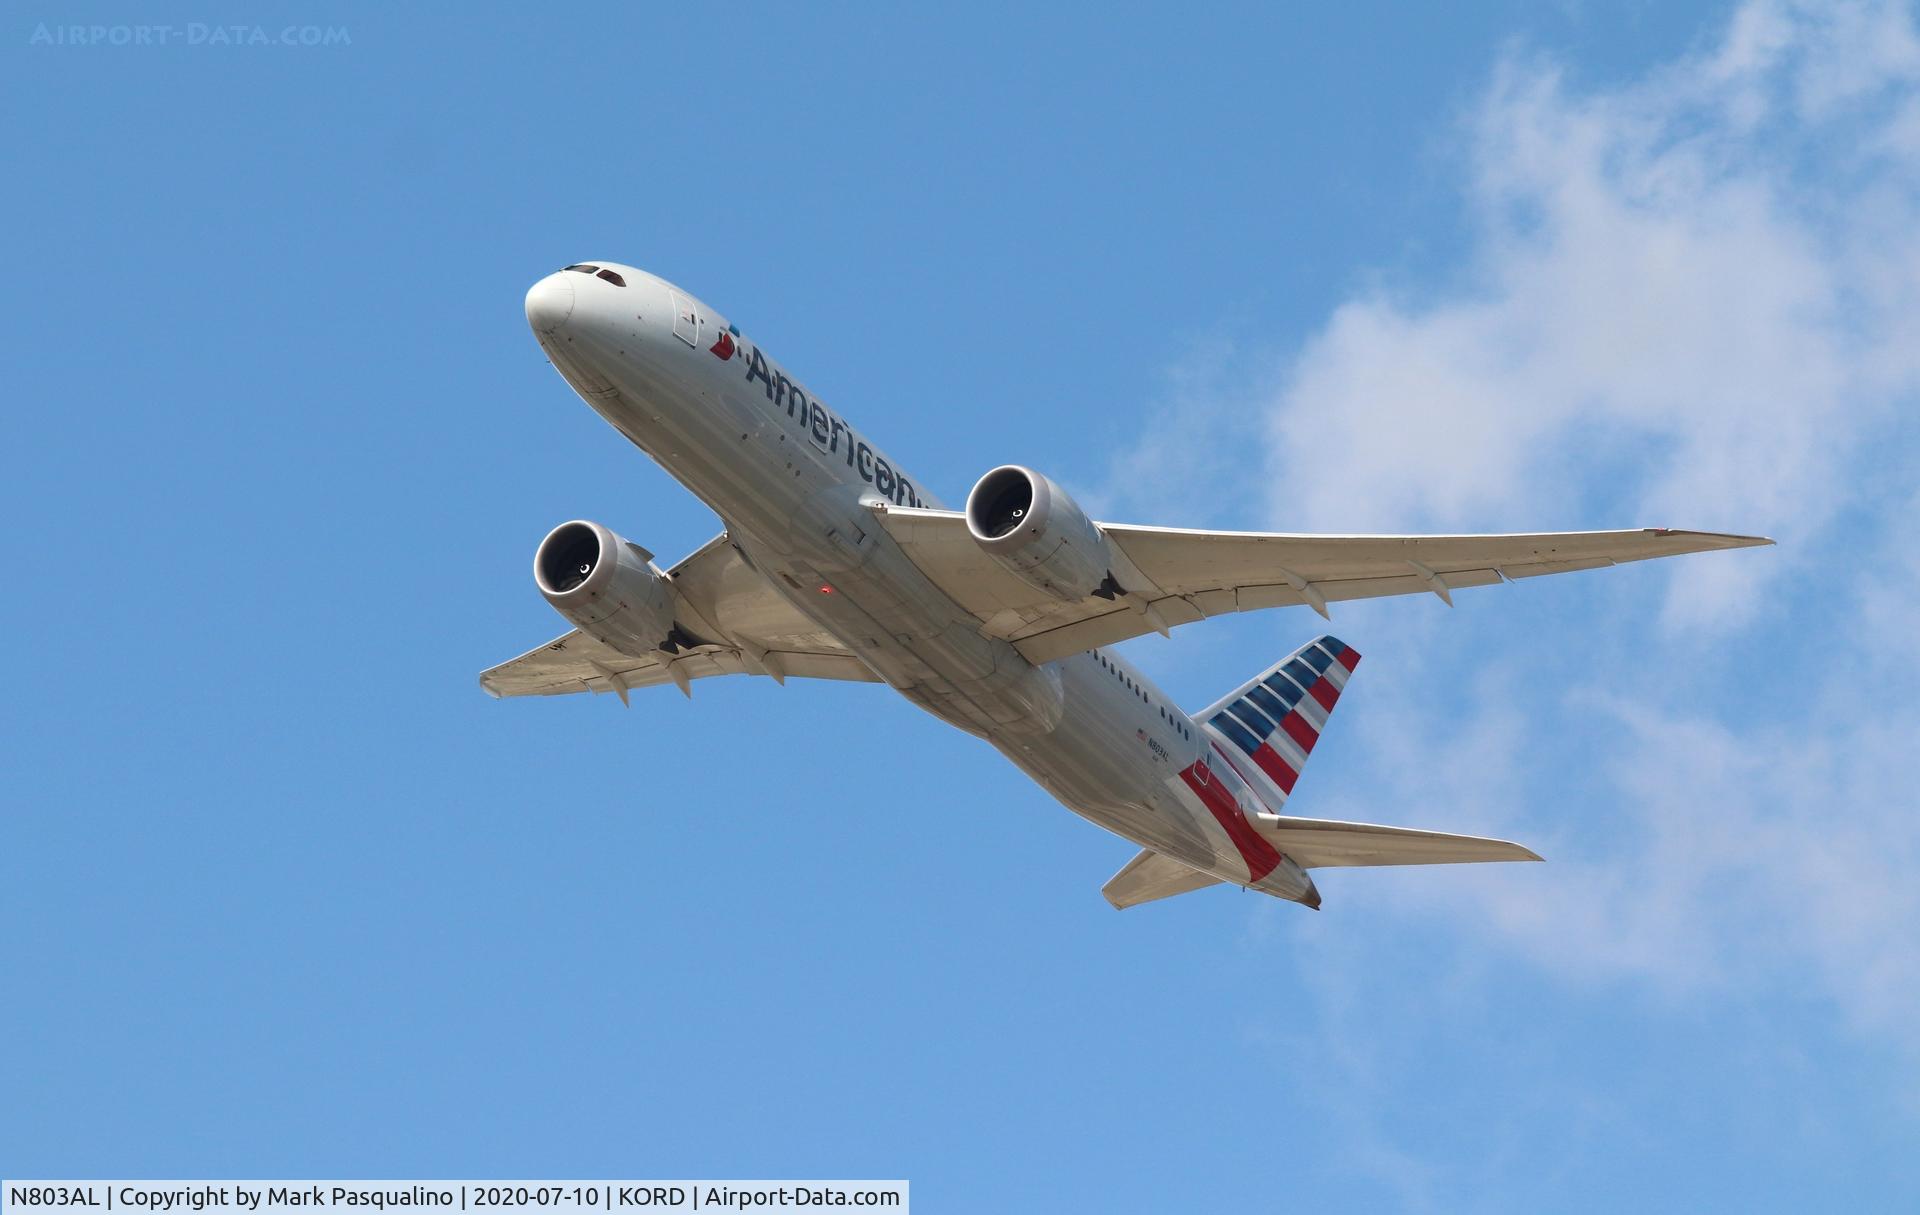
<point>567,557</point>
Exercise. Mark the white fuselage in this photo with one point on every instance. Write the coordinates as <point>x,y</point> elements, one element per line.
<point>795,484</point>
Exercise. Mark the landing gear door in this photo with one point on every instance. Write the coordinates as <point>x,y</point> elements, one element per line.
<point>686,322</point>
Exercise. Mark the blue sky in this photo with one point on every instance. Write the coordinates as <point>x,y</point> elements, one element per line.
<point>284,894</point>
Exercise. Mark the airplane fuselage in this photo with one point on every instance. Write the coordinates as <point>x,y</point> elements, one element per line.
<point>797,487</point>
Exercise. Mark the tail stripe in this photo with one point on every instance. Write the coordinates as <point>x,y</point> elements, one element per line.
<point>1235,731</point>
<point>1259,856</point>
<point>1276,718</point>
<point>1297,729</point>
<point>1282,687</point>
<point>1263,749</point>
<point>1312,712</point>
<point>1282,744</point>
<point>1270,704</point>
<point>1337,675</point>
<point>1275,767</point>
<point>1251,719</point>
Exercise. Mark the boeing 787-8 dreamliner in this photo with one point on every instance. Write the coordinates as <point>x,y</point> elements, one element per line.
<point>835,564</point>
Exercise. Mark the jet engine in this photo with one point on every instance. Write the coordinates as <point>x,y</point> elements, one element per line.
<point>608,588</point>
<point>1029,525</point>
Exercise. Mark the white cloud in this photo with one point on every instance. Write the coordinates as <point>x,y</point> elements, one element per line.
<point>1693,300</point>
<point>1712,859</point>
<point>1671,276</point>
<point>1704,282</point>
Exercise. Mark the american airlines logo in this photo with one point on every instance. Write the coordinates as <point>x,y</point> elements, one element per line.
<point>826,430</point>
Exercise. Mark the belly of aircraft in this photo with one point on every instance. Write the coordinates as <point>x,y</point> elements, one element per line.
<point>804,529</point>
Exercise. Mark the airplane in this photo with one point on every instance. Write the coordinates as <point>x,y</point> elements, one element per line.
<point>997,618</point>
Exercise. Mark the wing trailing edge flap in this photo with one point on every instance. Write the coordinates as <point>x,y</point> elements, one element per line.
<point>1317,843</point>
<point>1152,875</point>
<point>577,662</point>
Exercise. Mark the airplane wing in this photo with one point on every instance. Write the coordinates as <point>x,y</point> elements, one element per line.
<point>746,626</point>
<point>1177,576</point>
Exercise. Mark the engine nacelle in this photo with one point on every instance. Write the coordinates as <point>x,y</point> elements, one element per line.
<point>1029,524</point>
<point>607,587</point>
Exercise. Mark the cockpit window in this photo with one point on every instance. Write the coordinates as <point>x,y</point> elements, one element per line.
<point>584,268</point>
<point>613,278</point>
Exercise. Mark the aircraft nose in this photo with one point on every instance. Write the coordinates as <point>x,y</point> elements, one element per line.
<point>550,303</point>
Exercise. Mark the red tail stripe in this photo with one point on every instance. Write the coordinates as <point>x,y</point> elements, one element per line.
<point>1276,767</point>
<point>1324,692</point>
<point>1349,658</point>
<point>1297,729</point>
<point>1259,855</point>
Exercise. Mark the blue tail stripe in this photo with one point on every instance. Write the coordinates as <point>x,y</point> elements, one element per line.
<point>1254,721</point>
<point>1316,658</point>
<point>1302,674</point>
<point>1237,732</point>
<point>1268,702</point>
<point>1288,691</point>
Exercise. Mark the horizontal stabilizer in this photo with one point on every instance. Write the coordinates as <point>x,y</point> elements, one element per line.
<point>1319,843</point>
<point>1151,876</point>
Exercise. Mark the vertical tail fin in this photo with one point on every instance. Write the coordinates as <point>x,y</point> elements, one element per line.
<point>1275,719</point>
